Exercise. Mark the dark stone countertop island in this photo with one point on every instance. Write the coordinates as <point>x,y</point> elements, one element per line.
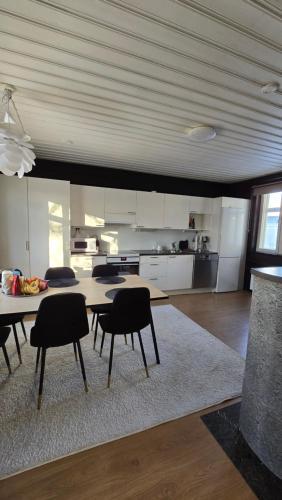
<point>261,409</point>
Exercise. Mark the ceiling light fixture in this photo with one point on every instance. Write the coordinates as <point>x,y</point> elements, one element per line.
<point>270,88</point>
<point>201,133</point>
<point>16,155</point>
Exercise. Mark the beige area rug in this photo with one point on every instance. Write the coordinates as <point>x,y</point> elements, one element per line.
<point>197,371</point>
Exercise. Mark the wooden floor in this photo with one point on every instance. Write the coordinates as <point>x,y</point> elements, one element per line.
<point>177,460</point>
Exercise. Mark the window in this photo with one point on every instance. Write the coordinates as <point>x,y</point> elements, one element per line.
<point>269,230</point>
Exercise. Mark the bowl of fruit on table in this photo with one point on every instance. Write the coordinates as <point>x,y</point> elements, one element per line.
<point>32,286</point>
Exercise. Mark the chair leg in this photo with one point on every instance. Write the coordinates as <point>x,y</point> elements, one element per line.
<point>37,358</point>
<point>7,359</point>
<point>93,318</point>
<point>125,339</point>
<point>96,331</point>
<point>111,360</point>
<point>132,341</point>
<point>82,366</point>
<point>43,357</point>
<point>17,343</point>
<point>75,351</point>
<point>23,329</point>
<point>155,340</point>
<point>143,353</point>
<point>102,344</point>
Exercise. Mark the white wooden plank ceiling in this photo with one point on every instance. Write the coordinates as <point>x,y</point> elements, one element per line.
<point>116,82</point>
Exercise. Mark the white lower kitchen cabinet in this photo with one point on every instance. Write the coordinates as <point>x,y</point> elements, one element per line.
<point>179,272</point>
<point>168,272</point>
<point>14,224</point>
<point>83,264</point>
<point>153,268</point>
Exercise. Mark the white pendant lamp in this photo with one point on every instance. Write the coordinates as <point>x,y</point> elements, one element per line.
<point>16,155</point>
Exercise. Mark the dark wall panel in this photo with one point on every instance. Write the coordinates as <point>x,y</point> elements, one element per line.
<point>124,179</point>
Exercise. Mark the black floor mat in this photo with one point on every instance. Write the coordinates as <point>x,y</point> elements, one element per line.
<point>224,426</point>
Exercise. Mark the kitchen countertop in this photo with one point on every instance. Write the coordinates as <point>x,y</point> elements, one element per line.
<point>145,252</point>
<point>269,273</point>
<point>90,254</point>
<point>168,252</point>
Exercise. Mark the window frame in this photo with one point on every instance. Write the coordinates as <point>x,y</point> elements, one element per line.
<point>278,249</point>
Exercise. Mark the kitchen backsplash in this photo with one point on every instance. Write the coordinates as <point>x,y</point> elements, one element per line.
<point>116,237</point>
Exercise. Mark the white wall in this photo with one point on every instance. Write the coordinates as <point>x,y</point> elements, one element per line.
<point>119,237</point>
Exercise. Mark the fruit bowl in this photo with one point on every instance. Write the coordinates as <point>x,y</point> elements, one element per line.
<point>32,286</point>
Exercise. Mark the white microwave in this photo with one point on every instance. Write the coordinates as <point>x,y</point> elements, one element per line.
<point>84,245</point>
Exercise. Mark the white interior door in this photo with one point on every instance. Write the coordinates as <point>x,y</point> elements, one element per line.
<point>14,224</point>
<point>49,224</point>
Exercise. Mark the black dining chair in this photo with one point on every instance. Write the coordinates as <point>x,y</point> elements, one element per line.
<point>101,271</point>
<point>56,273</point>
<point>130,313</point>
<point>4,334</point>
<point>12,320</point>
<point>61,320</point>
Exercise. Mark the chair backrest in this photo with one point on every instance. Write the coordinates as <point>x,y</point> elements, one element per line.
<point>104,270</point>
<point>55,273</point>
<point>61,319</point>
<point>131,310</point>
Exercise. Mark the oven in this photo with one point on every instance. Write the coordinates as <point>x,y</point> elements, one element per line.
<point>125,264</point>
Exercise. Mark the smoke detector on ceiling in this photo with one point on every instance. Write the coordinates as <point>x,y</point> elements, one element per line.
<point>202,133</point>
<point>270,88</point>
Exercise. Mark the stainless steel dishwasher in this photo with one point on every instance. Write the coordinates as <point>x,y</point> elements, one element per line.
<point>205,270</point>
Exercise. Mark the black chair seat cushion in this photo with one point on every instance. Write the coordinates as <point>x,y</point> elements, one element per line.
<point>101,308</point>
<point>4,334</point>
<point>10,319</point>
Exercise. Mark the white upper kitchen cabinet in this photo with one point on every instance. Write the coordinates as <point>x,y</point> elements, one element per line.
<point>199,205</point>
<point>227,202</point>
<point>179,272</point>
<point>149,210</point>
<point>49,224</point>
<point>87,206</point>
<point>175,212</point>
<point>14,224</point>
<point>120,206</point>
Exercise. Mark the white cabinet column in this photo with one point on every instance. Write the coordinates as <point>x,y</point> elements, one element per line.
<point>14,224</point>
<point>49,224</point>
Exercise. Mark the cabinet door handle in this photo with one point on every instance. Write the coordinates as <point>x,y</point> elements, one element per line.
<point>153,279</point>
<point>133,213</point>
<point>154,264</point>
<point>27,245</point>
<point>167,227</point>
<point>139,225</point>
